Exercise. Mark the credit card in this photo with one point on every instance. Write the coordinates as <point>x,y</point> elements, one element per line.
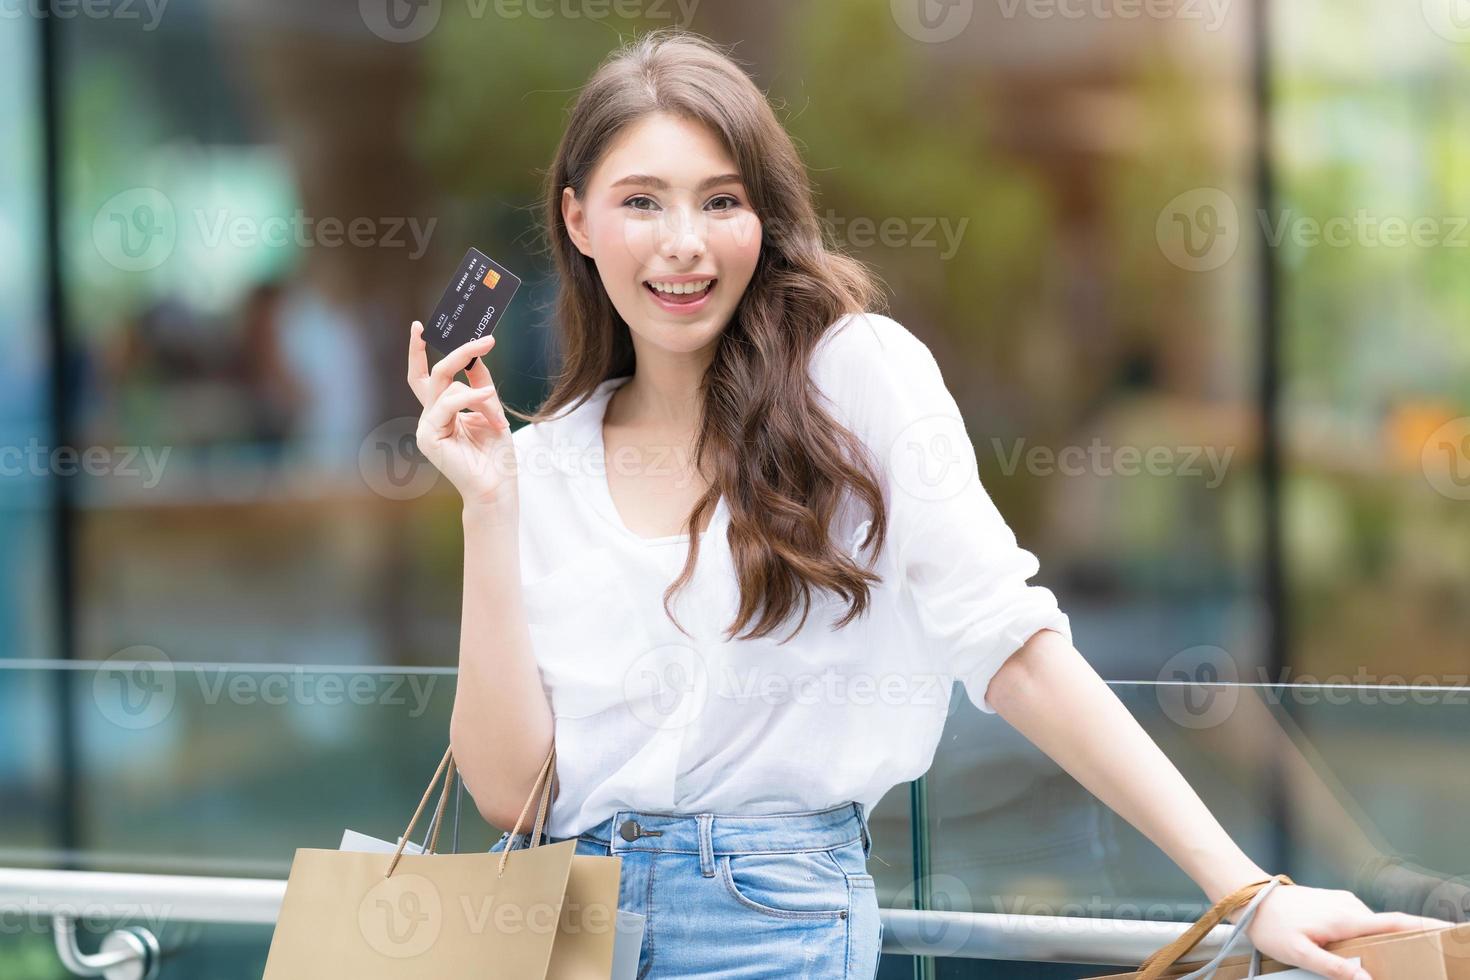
<point>473,302</point>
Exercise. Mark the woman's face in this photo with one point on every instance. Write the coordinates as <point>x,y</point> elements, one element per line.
<point>666,205</point>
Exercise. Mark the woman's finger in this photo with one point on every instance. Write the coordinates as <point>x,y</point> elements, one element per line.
<point>1403,922</point>
<point>439,417</point>
<point>478,373</point>
<point>1316,959</point>
<point>459,358</point>
<point>490,407</point>
<point>418,360</point>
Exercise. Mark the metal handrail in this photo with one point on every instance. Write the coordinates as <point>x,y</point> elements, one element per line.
<point>257,901</point>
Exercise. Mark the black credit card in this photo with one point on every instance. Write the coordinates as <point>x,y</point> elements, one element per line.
<point>473,302</point>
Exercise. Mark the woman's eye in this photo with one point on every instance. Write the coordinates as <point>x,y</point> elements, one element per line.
<point>632,202</point>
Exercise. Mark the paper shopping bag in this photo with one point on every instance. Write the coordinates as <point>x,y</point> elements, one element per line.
<point>1429,954</point>
<point>537,912</point>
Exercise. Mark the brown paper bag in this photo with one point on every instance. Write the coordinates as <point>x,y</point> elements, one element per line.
<point>1428,954</point>
<point>538,912</point>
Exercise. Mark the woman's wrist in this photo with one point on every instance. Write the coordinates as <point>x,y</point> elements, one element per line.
<point>489,517</point>
<point>1223,877</point>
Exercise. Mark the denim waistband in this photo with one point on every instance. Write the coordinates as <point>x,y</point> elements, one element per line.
<point>710,834</point>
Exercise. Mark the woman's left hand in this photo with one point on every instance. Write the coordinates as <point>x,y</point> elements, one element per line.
<point>1294,922</point>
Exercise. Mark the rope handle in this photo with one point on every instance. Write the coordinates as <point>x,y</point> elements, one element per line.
<point>544,779</point>
<point>446,765</point>
<point>1154,967</point>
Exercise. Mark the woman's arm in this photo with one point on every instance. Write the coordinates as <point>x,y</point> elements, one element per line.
<point>1051,695</point>
<point>501,727</point>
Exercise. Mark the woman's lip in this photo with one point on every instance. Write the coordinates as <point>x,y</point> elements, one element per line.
<point>682,307</point>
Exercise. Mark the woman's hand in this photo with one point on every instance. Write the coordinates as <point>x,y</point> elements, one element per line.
<point>1293,923</point>
<point>474,449</point>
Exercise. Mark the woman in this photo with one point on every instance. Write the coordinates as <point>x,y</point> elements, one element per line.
<point>746,448</point>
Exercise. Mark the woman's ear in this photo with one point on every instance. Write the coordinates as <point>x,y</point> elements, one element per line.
<point>576,220</point>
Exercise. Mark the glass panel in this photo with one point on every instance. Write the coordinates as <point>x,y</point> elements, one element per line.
<point>1317,770</point>
<point>1374,151</point>
<point>27,444</point>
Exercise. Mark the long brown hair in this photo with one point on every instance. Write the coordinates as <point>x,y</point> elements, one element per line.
<point>779,459</point>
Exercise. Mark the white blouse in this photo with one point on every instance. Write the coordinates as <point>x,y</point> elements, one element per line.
<point>650,719</point>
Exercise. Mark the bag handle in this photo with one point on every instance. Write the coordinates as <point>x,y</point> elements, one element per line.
<point>446,764</point>
<point>544,779</point>
<point>1251,894</point>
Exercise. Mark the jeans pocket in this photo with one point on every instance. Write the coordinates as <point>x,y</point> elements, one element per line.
<point>799,885</point>
<point>864,929</point>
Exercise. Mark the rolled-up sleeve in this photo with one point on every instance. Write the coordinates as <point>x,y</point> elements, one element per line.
<point>959,559</point>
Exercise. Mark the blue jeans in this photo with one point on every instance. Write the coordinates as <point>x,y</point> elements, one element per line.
<point>731,895</point>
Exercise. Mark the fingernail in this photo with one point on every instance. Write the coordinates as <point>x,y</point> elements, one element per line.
<point>1362,975</point>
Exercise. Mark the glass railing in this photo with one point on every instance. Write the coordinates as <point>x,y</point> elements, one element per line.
<point>182,790</point>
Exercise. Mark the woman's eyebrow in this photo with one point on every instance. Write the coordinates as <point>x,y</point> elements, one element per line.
<point>663,185</point>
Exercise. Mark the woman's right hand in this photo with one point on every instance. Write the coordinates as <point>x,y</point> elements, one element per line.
<point>474,449</point>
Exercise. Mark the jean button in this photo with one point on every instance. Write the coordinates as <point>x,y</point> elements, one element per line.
<point>631,831</point>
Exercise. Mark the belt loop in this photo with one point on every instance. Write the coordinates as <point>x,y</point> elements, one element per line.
<point>863,823</point>
<point>706,845</point>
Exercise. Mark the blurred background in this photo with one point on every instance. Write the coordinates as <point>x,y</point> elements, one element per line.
<point>1195,271</point>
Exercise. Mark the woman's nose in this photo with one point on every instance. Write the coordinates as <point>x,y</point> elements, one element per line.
<point>683,234</point>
